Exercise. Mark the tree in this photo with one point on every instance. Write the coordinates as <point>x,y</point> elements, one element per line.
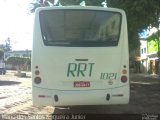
<point>94,2</point>
<point>1,54</point>
<point>140,15</point>
<point>39,3</point>
<point>70,2</point>
<point>19,61</point>
<point>15,61</point>
<point>77,2</point>
<point>7,45</point>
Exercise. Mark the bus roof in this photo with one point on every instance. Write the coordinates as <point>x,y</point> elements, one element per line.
<point>81,7</point>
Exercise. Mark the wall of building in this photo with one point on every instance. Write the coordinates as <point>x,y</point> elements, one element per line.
<point>144,59</point>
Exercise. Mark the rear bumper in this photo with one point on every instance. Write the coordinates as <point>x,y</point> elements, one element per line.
<point>42,97</point>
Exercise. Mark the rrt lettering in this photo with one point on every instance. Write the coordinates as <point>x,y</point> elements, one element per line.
<point>80,69</point>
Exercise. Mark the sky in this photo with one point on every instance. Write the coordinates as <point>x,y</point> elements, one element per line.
<point>16,23</point>
<point>148,32</point>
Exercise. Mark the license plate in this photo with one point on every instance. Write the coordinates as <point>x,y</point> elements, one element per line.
<point>81,84</point>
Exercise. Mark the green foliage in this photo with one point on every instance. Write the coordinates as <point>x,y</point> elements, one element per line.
<point>152,46</point>
<point>18,61</point>
<point>133,40</point>
<point>70,2</point>
<point>140,15</point>
<point>153,42</point>
<point>33,6</point>
<point>7,46</point>
<point>1,54</point>
<point>154,36</point>
<point>77,2</point>
<point>94,2</point>
<point>40,3</point>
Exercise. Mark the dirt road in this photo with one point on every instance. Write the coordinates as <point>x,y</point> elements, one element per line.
<point>15,98</point>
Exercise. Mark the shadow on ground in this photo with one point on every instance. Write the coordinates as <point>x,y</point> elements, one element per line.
<point>6,83</point>
<point>144,98</point>
<point>79,109</point>
<point>102,112</point>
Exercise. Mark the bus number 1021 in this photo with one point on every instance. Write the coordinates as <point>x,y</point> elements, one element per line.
<point>108,76</point>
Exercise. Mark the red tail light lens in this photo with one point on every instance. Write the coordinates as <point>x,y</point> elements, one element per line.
<point>37,80</point>
<point>124,79</point>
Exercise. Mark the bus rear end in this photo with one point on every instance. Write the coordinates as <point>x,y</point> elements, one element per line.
<point>80,56</point>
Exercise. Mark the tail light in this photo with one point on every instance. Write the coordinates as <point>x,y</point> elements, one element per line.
<point>37,78</point>
<point>124,74</point>
<point>36,66</point>
<point>124,79</point>
<point>124,71</point>
<point>37,72</point>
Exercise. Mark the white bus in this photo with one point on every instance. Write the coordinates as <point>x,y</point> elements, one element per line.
<point>80,56</point>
